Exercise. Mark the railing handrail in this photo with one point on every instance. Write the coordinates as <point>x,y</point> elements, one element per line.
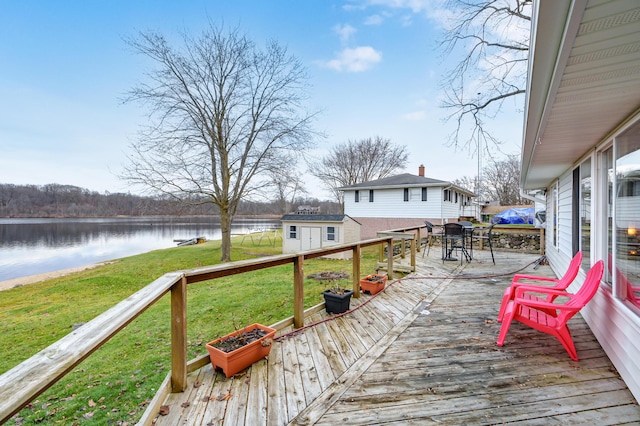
<point>26,381</point>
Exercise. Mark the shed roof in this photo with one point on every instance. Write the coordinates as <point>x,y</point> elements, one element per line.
<point>315,218</point>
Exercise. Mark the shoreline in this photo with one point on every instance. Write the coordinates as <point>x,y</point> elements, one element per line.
<point>32,279</point>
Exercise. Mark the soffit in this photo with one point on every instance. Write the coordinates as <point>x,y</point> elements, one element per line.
<point>599,87</point>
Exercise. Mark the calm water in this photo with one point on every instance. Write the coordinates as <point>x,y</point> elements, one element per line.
<point>35,246</point>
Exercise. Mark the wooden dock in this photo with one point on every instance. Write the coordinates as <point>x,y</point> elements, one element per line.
<point>421,352</point>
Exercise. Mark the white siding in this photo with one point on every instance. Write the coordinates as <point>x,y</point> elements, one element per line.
<point>565,218</point>
<point>345,232</point>
<point>614,324</point>
<point>390,203</point>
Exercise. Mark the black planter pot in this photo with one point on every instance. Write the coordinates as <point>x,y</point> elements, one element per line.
<point>337,303</point>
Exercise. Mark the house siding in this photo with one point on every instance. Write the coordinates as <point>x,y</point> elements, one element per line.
<point>347,231</point>
<point>615,325</point>
<point>390,203</point>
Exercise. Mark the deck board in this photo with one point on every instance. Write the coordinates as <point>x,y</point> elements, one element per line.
<point>422,351</point>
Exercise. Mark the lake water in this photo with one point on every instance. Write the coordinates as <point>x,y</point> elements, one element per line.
<point>35,246</point>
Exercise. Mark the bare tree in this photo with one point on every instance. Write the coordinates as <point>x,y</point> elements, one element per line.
<point>502,181</point>
<point>285,182</point>
<point>493,36</point>
<point>359,161</point>
<point>220,108</point>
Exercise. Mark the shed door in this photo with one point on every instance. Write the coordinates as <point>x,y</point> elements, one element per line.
<point>310,238</point>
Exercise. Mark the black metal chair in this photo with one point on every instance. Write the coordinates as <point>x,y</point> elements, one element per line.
<point>468,236</point>
<point>430,235</point>
<point>487,236</point>
<point>453,239</point>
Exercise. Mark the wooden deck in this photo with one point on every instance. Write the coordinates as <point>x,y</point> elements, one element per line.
<point>421,352</point>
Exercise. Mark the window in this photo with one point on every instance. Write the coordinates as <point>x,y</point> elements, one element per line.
<point>585,213</point>
<point>357,196</point>
<point>406,194</point>
<point>605,211</point>
<point>331,233</point>
<point>456,194</point>
<point>424,194</point>
<point>554,214</point>
<point>371,195</point>
<point>447,195</point>
<point>293,232</point>
<point>626,227</point>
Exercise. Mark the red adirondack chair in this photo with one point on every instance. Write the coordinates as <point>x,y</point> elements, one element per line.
<point>535,313</point>
<point>559,284</point>
<point>633,292</point>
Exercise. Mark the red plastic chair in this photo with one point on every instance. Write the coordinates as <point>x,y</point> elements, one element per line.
<point>560,284</point>
<point>633,292</point>
<point>535,313</point>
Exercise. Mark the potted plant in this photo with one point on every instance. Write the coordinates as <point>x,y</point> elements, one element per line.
<point>373,283</point>
<point>238,350</point>
<point>337,300</point>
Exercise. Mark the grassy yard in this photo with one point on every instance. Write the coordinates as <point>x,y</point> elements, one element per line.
<point>114,385</point>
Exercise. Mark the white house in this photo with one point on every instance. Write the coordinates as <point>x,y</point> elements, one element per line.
<point>302,232</point>
<point>406,200</point>
<point>581,149</point>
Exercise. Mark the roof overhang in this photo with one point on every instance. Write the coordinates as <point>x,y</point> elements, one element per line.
<point>583,82</point>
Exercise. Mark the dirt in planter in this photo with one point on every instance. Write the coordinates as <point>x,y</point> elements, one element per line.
<point>236,342</point>
<point>374,279</point>
<point>329,276</point>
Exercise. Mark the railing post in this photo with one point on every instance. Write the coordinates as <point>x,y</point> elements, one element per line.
<point>356,271</point>
<point>418,248</point>
<point>179,336</point>
<point>413,254</point>
<point>390,258</point>
<point>298,292</point>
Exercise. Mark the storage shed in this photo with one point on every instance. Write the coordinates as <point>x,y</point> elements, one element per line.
<point>303,232</point>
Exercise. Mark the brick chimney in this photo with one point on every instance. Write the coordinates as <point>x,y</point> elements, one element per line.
<point>421,170</point>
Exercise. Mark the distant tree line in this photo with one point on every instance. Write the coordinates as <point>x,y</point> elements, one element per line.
<point>55,200</point>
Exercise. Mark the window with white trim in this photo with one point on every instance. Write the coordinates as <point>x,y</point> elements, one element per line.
<point>626,226</point>
<point>293,232</point>
<point>332,233</point>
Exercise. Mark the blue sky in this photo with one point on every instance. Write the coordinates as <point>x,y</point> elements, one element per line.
<point>64,68</point>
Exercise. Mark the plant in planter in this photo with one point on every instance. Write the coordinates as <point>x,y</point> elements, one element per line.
<point>373,283</point>
<point>337,300</point>
<point>238,350</point>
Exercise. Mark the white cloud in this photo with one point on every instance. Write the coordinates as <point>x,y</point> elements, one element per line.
<point>344,31</point>
<point>415,116</point>
<point>374,20</point>
<point>357,59</point>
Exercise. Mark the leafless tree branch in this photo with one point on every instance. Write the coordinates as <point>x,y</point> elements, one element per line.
<point>220,109</point>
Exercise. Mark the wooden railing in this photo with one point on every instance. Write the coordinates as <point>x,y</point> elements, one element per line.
<point>29,379</point>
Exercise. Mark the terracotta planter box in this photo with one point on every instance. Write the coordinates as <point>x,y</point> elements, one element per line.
<point>373,283</point>
<point>337,303</point>
<point>237,360</point>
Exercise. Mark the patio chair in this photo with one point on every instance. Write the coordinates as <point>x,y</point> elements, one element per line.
<point>487,236</point>
<point>430,235</point>
<point>468,240</point>
<point>535,313</point>
<point>453,239</point>
<point>633,292</point>
<point>558,284</point>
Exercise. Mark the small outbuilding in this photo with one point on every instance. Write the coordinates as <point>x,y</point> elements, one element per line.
<point>303,232</point>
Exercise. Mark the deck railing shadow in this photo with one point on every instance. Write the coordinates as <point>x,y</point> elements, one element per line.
<point>32,377</point>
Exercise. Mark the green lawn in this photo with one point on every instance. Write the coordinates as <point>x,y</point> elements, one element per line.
<point>114,385</point>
